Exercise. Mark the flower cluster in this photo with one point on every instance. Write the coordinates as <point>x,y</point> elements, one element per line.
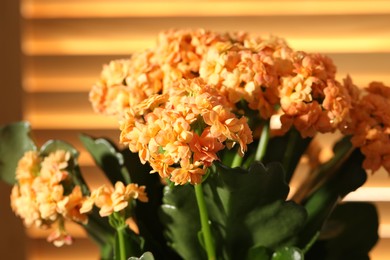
<point>40,196</point>
<point>180,133</point>
<point>46,196</point>
<point>109,201</point>
<point>370,126</point>
<point>164,122</point>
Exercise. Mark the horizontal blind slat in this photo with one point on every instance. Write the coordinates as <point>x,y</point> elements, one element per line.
<point>367,33</point>
<point>102,9</point>
<point>79,73</point>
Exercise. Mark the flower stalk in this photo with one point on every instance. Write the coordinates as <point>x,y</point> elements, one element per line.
<point>204,219</point>
<point>237,160</point>
<point>287,159</point>
<point>120,253</point>
<point>263,142</point>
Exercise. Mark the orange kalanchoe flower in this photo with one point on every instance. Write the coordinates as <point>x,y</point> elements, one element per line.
<point>242,73</point>
<point>370,126</point>
<point>127,82</point>
<point>113,200</point>
<point>180,137</point>
<point>311,99</point>
<point>180,52</point>
<point>38,197</point>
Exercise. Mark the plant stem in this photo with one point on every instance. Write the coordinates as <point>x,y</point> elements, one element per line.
<point>237,160</point>
<point>121,255</point>
<point>311,243</point>
<point>263,142</point>
<point>292,141</point>
<point>204,220</point>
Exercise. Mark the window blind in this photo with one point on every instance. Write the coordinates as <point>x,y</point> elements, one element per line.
<point>66,42</point>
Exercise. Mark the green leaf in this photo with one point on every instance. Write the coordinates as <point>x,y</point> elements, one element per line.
<point>255,210</point>
<point>144,256</point>
<point>347,235</point>
<point>54,145</point>
<point>15,140</point>
<point>288,253</point>
<point>107,157</point>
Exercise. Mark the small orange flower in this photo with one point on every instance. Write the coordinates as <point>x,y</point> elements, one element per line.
<point>115,200</point>
<point>205,147</point>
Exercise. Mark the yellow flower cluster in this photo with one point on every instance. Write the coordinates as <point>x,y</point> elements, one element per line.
<point>110,201</point>
<point>292,88</point>
<point>39,196</point>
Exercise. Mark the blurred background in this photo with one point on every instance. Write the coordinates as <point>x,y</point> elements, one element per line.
<point>52,52</point>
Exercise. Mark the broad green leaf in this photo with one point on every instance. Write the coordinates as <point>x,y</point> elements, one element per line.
<point>288,253</point>
<point>347,235</point>
<point>255,209</point>
<point>54,145</point>
<point>15,140</point>
<point>107,157</point>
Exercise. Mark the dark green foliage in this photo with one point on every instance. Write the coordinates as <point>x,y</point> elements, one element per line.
<point>350,233</point>
<point>247,210</point>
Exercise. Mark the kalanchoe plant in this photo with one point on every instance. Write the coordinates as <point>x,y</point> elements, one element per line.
<point>213,127</point>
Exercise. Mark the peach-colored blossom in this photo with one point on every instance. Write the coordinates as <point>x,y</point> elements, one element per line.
<point>242,73</point>
<point>38,197</point>
<point>113,200</point>
<point>370,126</point>
<point>189,173</point>
<point>311,99</point>
<point>162,127</point>
<point>205,147</point>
